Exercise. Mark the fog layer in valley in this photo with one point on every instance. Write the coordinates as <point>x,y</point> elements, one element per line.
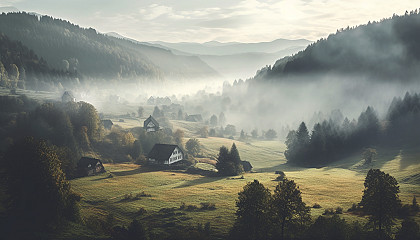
<point>253,104</point>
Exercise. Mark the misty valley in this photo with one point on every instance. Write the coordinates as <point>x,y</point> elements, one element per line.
<point>106,137</point>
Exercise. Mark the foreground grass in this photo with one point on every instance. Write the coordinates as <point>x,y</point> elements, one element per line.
<point>338,185</point>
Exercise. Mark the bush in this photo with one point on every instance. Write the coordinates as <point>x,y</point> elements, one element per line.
<point>328,211</point>
<point>141,211</point>
<point>207,206</point>
<point>191,208</point>
<point>316,205</point>
<point>281,176</point>
<point>353,208</point>
<point>339,210</point>
<point>142,194</point>
<point>137,196</point>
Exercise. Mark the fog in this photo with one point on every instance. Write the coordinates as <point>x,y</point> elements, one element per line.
<point>358,67</point>
<point>256,104</point>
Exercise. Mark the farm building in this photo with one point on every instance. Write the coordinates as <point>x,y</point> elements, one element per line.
<point>89,166</point>
<point>165,154</point>
<point>68,97</point>
<point>151,125</point>
<point>107,124</point>
<point>194,118</point>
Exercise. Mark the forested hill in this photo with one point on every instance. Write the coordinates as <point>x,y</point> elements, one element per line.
<point>68,47</point>
<point>20,67</point>
<point>388,49</point>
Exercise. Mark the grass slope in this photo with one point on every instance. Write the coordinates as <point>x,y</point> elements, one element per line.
<point>340,184</point>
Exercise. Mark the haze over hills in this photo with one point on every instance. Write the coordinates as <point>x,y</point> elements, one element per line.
<point>232,59</point>
<point>235,59</point>
<point>94,55</point>
<point>230,48</point>
<point>388,49</point>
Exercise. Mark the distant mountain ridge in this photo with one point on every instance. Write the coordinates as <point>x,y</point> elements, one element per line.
<point>231,59</point>
<point>95,55</point>
<point>388,49</point>
<point>230,48</point>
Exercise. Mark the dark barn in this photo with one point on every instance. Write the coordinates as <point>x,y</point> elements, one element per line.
<point>89,166</point>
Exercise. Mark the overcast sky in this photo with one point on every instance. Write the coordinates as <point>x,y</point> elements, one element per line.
<point>220,20</point>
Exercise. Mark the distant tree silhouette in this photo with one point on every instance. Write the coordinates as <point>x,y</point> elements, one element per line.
<point>193,146</point>
<point>222,119</point>
<point>140,112</point>
<point>230,130</point>
<point>369,154</point>
<point>213,120</point>
<point>270,134</point>
<point>179,137</point>
<point>229,162</point>
<point>157,113</point>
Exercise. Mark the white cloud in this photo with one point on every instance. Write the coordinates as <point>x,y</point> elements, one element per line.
<point>225,20</point>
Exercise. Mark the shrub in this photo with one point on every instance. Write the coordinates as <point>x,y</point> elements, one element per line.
<point>207,206</point>
<point>353,208</point>
<point>328,211</point>
<point>281,176</point>
<point>142,194</point>
<point>316,205</point>
<point>127,196</point>
<point>339,210</point>
<point>141,211</point>
<point>191,208</point>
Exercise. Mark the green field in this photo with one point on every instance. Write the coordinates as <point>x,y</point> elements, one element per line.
<point>338,185</point>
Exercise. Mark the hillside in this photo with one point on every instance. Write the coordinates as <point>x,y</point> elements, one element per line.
<point>66,46</point>
<point>21,67</point>
<point>232,59</point>
<point>387,49</point>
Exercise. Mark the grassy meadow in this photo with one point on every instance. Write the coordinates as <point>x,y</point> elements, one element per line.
<point>338,185</point>
<point>120,190</point>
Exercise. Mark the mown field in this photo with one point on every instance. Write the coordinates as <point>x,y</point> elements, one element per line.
<point>338,185</point>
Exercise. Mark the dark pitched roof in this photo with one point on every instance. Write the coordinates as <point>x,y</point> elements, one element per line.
<point>150,118</point>
<point>162,152</point>
<point>85,161</point>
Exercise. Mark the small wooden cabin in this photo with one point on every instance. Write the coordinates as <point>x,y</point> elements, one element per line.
<point>165,154</point>
<point>89,166</point>
<point>151,125</point>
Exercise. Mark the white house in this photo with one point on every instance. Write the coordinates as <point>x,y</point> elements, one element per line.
<point>165,154</point>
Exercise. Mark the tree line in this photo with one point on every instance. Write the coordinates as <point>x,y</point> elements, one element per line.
<point>331,140</point>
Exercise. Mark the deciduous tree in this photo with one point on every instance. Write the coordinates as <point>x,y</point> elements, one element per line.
<point>253,213</point>
<point>288,207</point>
<point>193,146</point>
<point>380,199</point>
